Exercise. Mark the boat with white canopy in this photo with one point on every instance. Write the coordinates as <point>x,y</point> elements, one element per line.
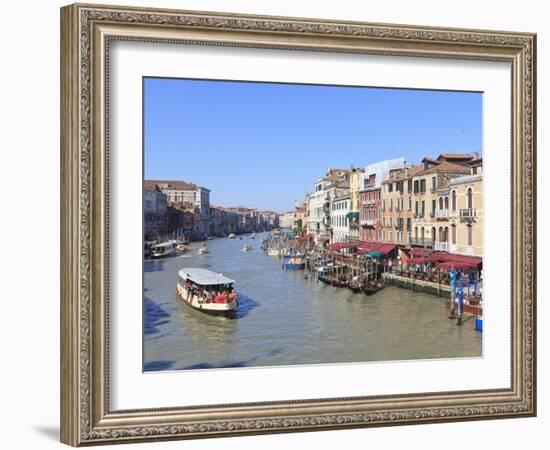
<point>206,291</point>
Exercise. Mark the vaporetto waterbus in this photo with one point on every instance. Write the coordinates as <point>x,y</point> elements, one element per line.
<point>163,249</point>
<point>206,291</point>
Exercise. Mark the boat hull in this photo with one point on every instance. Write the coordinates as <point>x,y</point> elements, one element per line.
<point>293,266</point>
<point>200,304</point>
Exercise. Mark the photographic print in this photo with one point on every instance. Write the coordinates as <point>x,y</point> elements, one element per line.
<point>294,224</point>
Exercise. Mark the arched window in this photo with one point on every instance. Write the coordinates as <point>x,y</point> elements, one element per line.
<point>416,232</point>
<point>453,202</point>
<point>446,234</point>
<point>453,234</point>
<point>440,234</point>
<point>470,198</point>
<point>470,237</point>
<point>422,233</point>
<point>446,202</point>
<point>433,234</point>
<point>440,202</point>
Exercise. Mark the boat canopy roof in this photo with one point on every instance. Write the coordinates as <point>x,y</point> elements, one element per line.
<point>164,244</point>
<point>204,277</point>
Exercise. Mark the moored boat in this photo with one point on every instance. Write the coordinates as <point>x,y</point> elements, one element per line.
<point>232,236</point>
<point>206,291</point>
<point>294,262</point>
<point>373,288</point>
<point>253,236</point>
<point>163,249</point>
<point>247,248</point>
<point>272,252</point>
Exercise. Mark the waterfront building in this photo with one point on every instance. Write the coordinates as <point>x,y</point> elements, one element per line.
<point>270,219</point>
<point>466,211</point>
<point>287,220</point>
<point>154,212</point>
<point>182,192</point>
<point>410,201</point>
<point>371,195</point>
<point>356,183</point>
<point>432,230</point>
<point>318,203</point>
<point>299,219</point>
<point>181,220</point>
<point>340,215</point>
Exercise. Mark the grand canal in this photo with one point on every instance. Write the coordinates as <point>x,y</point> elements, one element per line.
<point>285,319</point>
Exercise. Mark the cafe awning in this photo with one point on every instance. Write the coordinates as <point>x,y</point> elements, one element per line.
<point>366,247</point>
<point>343,245</point>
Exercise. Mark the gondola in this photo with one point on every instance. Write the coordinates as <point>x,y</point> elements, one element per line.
<point>370,289</point>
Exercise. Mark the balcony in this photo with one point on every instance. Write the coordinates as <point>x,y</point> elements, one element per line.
<point>441,246</point>
<point>467,213</point>
<point>422,242</point>
<point>442,214</point>
<point>368,223</point>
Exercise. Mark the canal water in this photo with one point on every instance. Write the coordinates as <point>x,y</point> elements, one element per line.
<point>284,319</point>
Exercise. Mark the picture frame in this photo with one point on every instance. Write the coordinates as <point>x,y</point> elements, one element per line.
<point>87,31</point>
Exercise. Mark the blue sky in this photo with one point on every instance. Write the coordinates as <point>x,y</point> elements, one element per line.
<point>262,145</point>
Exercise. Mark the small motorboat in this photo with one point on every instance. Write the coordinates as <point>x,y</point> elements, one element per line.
<point>247,248</point>
<point>180,247</point>
<point>253,236</point>
<point>203,250</point>
<point>232,236</point>
<point>272,252</point>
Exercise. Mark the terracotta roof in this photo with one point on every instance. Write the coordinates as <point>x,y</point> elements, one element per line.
<point>406,174</point>
<point>454,156</point>
<point>447,166</point>
<point>172,184</point>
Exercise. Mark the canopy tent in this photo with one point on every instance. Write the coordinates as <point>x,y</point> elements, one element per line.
<point>366,247</point>
<point>418,260</point>
<point>342,245</point>
<point>353,215</point>
<point>302,238</point>
<point>456,264</point>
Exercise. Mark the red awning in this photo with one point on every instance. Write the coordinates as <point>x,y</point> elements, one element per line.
<point>302,238</point>
<point>456,264</point>
<point>420,252</point>
<point>366,247</point>
<point>418,260</point>
<point>343,245</point>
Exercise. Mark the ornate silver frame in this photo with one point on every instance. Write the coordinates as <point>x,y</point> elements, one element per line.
<point>86,31</point>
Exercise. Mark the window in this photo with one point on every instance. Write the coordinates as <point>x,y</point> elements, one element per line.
<point>446,202</point>
<point>433,207</point>
<point>453,234</point>
<point>410,203</point>
<point>470,199</point>
<point>423,185</point>
<point>433,183</point>
<point>440,202</point>
<point>470,235</point>
<point>409,186</point>
<point>453,200</point>
<point>390,187</point>
<point>416,187</point>
<point>423,208</point>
